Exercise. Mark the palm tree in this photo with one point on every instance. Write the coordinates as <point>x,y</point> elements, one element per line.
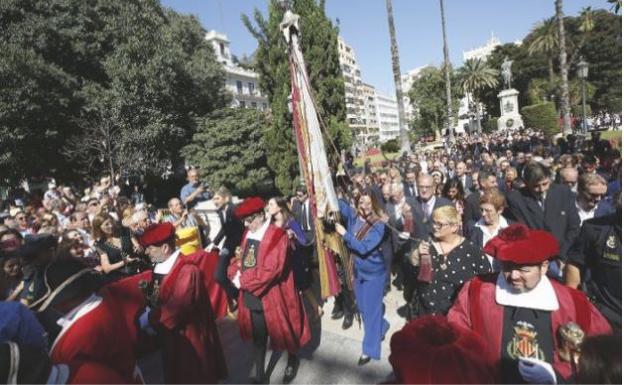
<point>474,76</point>
<point>396,70</point>
<point>616,5</point>
<point>563,63</point>
<point>447,75</point>
<point>544,40</point>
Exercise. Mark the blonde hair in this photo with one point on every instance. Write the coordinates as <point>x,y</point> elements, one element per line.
<point>449,213</point>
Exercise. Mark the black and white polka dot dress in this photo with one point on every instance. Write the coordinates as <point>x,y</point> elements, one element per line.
<point>462,264</point>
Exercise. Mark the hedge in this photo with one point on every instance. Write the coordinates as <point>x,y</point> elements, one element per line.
<point>542,116</point>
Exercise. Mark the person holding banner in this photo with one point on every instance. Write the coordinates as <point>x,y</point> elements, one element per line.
<point>363,236</point>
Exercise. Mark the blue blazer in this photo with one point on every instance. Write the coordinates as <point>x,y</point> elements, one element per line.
<point>369,261</point>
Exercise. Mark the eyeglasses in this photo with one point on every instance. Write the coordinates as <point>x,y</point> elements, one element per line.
<point>425,187</point>
<point>438,225</point>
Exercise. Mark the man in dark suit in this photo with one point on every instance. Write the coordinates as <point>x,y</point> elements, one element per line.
<point>472,206</point>
<point>595,264</point>
<point>410,188</point>
<point>544,205</point>
<point>425,204</point>
<point>230,233</point>
<point>463,176</point>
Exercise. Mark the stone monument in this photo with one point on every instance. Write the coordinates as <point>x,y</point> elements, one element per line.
<point>510,114</point>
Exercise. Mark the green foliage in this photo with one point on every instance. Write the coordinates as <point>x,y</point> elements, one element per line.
<point>319,43</point>
<point>428,97</point>
<point>577,110</point>
<point>79,73</point>
<point>476,75</point>
<point>541,116</point>
<point>391,145</point>
<point>229,143</point>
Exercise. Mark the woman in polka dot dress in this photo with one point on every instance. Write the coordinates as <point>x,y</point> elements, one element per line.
<point>445,262</point>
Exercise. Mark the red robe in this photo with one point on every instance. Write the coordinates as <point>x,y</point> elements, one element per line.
<point>488,321</point>
<point>100,336</point>
<point>272,281</point>
<point>186,325</point>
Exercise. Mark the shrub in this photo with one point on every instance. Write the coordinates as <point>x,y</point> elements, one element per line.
<point>391,146</point>
<point>542,116</point>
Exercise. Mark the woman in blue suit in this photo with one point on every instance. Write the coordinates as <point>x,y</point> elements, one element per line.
<point>362,236</point>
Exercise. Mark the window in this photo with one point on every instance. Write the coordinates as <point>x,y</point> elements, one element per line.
<point>239,86</point>
<point>254,104</point>
<point>241,104</point>
<point>252,88</point>
<point>222,49</point>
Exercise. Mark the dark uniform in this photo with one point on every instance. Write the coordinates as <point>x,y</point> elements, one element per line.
<point>597,253</point>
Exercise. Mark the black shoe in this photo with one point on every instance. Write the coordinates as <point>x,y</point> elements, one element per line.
<point>364,359</point>
<point>291,370</point>
<point>348,321</point>
<point>337,312</point>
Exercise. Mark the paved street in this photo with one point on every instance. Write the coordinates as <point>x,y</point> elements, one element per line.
<point>330,358</point>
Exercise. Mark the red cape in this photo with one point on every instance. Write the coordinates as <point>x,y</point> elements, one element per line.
<point>272,281</point>
<point>490,323</point>
<point>186,325</point>
<point>100,336</point>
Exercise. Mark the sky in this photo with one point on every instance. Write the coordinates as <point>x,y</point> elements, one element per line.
<point>363,25</point>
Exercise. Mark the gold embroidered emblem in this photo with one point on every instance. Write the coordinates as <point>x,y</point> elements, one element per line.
<point>611,242</point>
<point>524,342</point>
<point>250,258</point>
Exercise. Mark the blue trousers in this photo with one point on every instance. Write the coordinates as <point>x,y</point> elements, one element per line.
<point>369,297</point>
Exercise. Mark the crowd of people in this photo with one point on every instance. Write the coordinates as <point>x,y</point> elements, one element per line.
<point>506,248</point>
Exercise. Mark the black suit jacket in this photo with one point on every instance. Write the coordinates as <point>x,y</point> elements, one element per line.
<point>425,226</point>
<point>298,214</point>
<point>408,193</point>
<point>466,181</point>
<point>559,216</point>
<point>231,228</point>
<point>472,211</point>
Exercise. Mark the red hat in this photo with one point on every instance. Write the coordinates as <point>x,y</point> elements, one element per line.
<point>157,234</point>
<point>430,350</point>
<point>523,246</point>
<point>249,207</point>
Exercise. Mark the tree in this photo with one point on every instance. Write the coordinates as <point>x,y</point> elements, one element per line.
<point>475,75</point>
<point>563,64</point>
<point>544,42</point>
<point>229,143</point>
<point>75,67</point>
<point>396,72</point>
<point>319,43</point>
<point>429,101</point>
<point>447,73</point>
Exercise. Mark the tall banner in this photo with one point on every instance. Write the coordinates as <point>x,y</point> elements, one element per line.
<point>313,162</point>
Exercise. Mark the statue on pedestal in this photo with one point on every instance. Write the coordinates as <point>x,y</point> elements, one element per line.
<point>506,72</point>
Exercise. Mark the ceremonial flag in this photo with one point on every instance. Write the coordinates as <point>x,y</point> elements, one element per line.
<point>313,163</point>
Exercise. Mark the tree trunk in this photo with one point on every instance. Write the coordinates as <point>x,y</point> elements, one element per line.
<point>396,71</point>
<point>563,63</point>
<point>447,75</point>
<point>551,71</point>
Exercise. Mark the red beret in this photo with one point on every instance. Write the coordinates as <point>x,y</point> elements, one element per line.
<point>249,207</point>
<point>523,246</point>
<point>157,234</point>
<point>430,350</point>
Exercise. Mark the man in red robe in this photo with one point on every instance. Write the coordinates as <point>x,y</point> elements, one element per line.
<point>179,311</point>
<point>85,325</point>
<point>523,315</point>
<point>269,304</point>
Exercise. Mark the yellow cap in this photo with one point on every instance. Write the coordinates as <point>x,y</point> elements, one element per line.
<point>187,239</point>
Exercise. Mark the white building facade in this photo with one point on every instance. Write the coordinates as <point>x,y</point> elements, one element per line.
<point>354,98</point>
<point>240,82</point>
<point>387,117</point>
<point>371,135</point>
<point>407,80</point>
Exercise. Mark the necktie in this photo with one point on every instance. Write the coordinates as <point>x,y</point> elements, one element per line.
<point>425,209</point>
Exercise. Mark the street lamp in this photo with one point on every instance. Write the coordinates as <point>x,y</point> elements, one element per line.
<point>582,69</point>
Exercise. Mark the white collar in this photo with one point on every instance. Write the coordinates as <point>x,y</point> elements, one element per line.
<point>541,297</point>
<point>74,315</point>
<point>259,234</point>
<point>502,223</point>
<point>582,210</point>
<point>166,266</point>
